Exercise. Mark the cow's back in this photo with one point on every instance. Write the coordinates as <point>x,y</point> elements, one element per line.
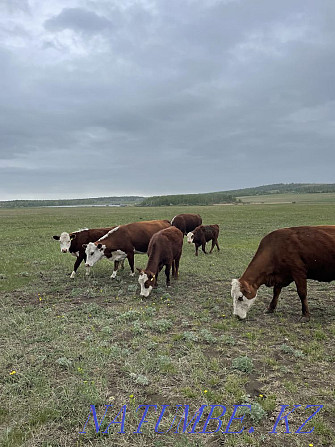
<point>135,235</point>
<point>186,222</point>
<point>306,249</point>
<point>168,242</point>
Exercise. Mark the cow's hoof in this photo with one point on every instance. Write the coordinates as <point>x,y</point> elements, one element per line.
<point>72,275</point>
<point>269,311</point>
<point>304,319</point>
<point>131,274</point>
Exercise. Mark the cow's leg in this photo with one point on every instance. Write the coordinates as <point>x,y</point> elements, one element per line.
<point>301,284</point>
<point>76,265</point>
<point>176,262</point>
<point>116,267</point>
<point>131,257</point>
<point>217,244</point>
<point>173,269</point>
<point>274,302</point>
<point>212,247</point>
<point>203,246</point>
<point>196,249</point>
<point>167,273</point>
<point>122,264</point>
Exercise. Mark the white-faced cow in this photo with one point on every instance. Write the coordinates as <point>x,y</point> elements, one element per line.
<point>186,222</point>
<point>73,243</point>
<point>283,256</point>
<point>123,242</point>
<point>164,249</point>
<point>201,235</point>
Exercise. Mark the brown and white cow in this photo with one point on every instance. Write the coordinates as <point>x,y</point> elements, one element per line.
<point>164,249</point>
<point>73,243</point>
<point>123,242</point>
<point>186,222</point>
<point>283,256</point>
<point>201,235</point>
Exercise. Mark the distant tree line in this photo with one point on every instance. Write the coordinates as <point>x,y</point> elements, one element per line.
<point>103,201</point>
<point>189,199</point>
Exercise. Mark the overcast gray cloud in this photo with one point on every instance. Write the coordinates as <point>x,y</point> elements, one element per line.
<point>156,97</point>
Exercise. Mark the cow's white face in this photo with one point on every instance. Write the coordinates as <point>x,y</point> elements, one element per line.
<point>190,237</point>
<point>241,303</point>
<point>65,241</point>
<point>145,282</point>
<point>94,253</point>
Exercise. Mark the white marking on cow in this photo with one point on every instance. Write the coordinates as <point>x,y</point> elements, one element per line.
<point>87,270</point>
<point>241,307</point>
<point>93,254</point>
<point>75,254</point>
<point>65,242</point>
<point>145,291</point>
<point>109,233</point>
<point>113,275</point>
<point>73,274</point>
<point>190,237</point>
<point>118,255</point>
<point>132,274</point>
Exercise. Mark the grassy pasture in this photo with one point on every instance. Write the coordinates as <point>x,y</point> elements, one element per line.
<point>315,198</point>
<point>67,344</point>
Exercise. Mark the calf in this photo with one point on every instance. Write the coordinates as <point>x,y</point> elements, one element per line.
<point>283,256</point>
<point>203,234</point>
<point>164,249</point>
<point>186,222</point>
<point>123,242</point>
<point>73,243</point>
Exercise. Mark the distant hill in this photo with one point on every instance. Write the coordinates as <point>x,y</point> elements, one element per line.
<point>95,201</point>
<point>281,188</point>
<point>232,196</point>
<point>209,198</point>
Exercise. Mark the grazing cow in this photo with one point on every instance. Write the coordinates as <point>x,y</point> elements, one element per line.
<point>123,242</point>
<point>73,243</point>
<point>201,235</point>
<point>283,256</point>
<point>164,249</point>
<point>186,222</point>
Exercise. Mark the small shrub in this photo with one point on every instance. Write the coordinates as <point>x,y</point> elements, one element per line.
<point>140,379</point>
<point>289,350</point>
<point>244,364</point>
<point>161,326</point>
<point>190,336</point>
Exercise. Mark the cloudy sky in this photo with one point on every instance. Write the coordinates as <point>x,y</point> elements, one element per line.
<point>147,97</point>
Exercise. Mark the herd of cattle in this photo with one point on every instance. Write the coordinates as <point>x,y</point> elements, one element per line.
<point>283,256</point>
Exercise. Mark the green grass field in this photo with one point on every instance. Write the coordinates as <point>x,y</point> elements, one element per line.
<point>69,343</point>
<point>310,198</point>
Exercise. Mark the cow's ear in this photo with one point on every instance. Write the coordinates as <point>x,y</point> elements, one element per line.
<point>56,238</point>
<point>72,236</point>
<point>99,246</point>
<point>85,246</point>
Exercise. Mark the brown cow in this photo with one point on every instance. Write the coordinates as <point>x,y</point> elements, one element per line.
<point>164,249</point>
<point>73,243</point>
<point>283,256</point>
<point>186,222</point>
<point>123,242</point>
<point>201,235</point>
